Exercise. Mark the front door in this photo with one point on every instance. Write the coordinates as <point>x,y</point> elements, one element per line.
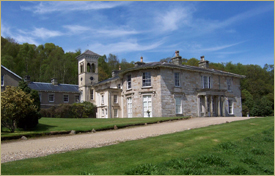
<point>147,106</point>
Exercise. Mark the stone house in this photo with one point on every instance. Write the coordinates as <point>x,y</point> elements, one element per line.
<point>8,78</point>
<point>52,94</point>
<point>161,90</point>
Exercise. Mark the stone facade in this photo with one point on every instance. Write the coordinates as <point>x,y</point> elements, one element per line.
<point>168,89</point>
<point>8,78</point>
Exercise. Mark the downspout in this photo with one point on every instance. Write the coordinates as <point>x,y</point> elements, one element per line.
<point>109,105</point>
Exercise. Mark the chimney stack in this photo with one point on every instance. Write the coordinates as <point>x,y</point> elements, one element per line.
<point>54,81</point>
<point>177,53</point>
<point>27,79</point>
<point>119,68</point>
<point>177,59</point>
<point>141,59</point>
<point>203,63</point>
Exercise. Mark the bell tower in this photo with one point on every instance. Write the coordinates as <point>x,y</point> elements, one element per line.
<point>87,74</point>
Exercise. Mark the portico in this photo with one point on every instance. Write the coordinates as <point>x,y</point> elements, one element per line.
<point>210,102</point>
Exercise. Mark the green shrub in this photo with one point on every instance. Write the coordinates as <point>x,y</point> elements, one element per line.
<point>76,110</point>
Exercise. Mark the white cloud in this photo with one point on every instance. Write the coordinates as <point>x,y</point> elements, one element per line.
<point>76,29</point>
<point>67,6</point>
<point>127,46</point>
<point>117,32</point>
<point>171,20</point>
<point>45,33</point>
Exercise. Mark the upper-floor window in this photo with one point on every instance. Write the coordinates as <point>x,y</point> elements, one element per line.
<point>2,80</point>
<point>118,86</point>
<point>228,84</point>
<point>146,79</point>
<point>115,98</point>
<point>102,99</point>
<point>66,98</point>
<point>177,79</point>
<point>206,82</point>
<point>51,97</point>
<point>129,82</point>
<point>92,94</point>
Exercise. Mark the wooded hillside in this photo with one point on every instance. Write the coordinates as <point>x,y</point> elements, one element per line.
<point>46,61</point>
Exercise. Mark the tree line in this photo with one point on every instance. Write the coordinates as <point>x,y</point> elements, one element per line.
<point>46,61</point>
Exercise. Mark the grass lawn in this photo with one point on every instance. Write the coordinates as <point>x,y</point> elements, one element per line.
<point>86,124</point>
<point>241,147</point>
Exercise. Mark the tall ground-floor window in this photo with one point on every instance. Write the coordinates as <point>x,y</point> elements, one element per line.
<point>115,113</point>
<point>230,106</point>
<point>147,105</point>
<point>129,107</point>
<point>178,105</point>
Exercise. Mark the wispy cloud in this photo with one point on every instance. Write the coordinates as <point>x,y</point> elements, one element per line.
<point>45,33</point>
<point>67,6</point>
<point>173,19</point>
<point>127,46</point>
<point>118,32</point>
<point>76,29</point>
<point>217,48</point>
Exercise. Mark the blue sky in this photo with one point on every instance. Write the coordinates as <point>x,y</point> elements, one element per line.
<point>221,31</point>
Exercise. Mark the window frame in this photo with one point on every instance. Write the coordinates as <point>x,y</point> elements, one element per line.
<point>230,107</point>
<point>146,79</point>
<point>81,67</point>
<point>206,81</point>
<point>77,97</point>
<point>64,98</point>
<point>53,97</point>
<point>115,113</point>
<point>129,82</point>
<point>178,105</point>
<point>129,108</point>
<point>177,79</point>
<point>229,84</point>
<point>115,99</point>
<point>102,98</point>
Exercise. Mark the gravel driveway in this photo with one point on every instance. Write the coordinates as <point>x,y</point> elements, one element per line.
<point>31,148</point>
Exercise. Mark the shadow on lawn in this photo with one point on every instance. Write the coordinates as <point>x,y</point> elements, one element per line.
<point>41,127</point>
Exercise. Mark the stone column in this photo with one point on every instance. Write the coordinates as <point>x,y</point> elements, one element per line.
<point>219,106</point>
<point>206,107</point>
<point>211,106</point>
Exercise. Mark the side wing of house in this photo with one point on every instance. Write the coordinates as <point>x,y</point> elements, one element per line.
<point>8,78</point>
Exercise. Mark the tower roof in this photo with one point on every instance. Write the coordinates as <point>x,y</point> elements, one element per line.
<point>88,52</point>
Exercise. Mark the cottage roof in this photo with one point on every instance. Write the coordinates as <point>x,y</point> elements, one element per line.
<point>41,86</point>
<point>88,52</point>
<point>10,72</point>
<point>184,67</point>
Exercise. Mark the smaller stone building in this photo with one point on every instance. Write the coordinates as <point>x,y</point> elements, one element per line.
<point>53,93</point>
<point>8,78</point>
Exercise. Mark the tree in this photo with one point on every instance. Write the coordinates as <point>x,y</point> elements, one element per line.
<point>15,104</point>
<point>30,120</point>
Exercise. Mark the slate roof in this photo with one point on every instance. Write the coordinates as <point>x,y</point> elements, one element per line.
<point>10,72</point>
<point>40,86</point>
<point>107,80</point>
<point>184,67</point>
<point>88,52</point>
